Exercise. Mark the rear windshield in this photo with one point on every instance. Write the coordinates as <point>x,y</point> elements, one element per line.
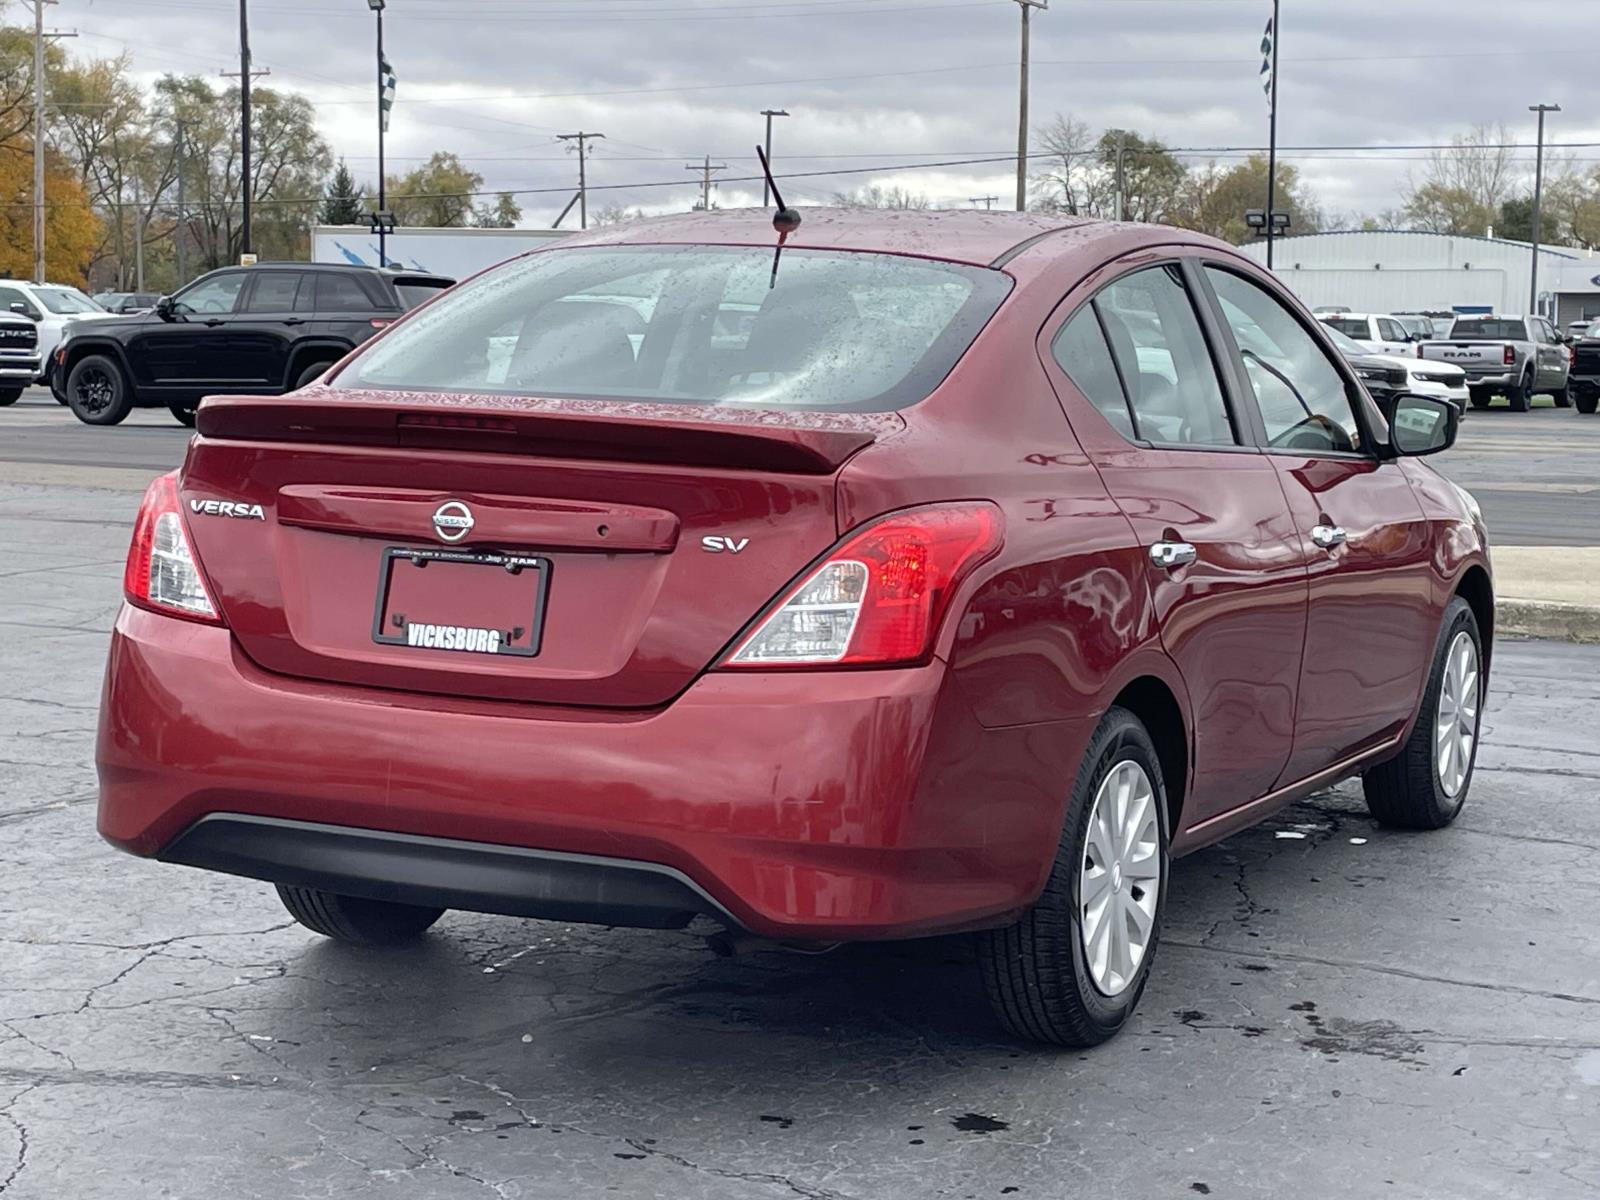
<point>1349,326</point>
<point>696,325</point>
<point>1488,327</point>
<point>415,291</point>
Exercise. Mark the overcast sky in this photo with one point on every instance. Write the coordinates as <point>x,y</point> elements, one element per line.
<point>873,83</point>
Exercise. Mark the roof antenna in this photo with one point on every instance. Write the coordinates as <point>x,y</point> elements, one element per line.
<point>786,220</point>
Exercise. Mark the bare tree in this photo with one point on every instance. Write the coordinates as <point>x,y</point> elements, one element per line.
<point>1462,187</point>
<point>877,196</point>
<point>1071,180</point>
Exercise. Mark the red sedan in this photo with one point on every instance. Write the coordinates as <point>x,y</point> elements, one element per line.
<point>946,571</point>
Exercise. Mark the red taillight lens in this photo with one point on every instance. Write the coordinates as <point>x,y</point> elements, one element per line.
<point>880,597</point>
<point>162,574</point>
<point>1510,357</point>
<point>381,322</point>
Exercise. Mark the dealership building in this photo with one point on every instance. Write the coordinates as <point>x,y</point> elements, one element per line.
<point>1406,271</point>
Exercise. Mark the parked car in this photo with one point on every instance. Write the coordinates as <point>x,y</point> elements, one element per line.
<point>1331,308</point>
<point>929,599</point>
<point>259,330</point>
<point>1378,333</point>
<point>1584,381</point>
<point>1515,356</point>
<point>1577,330</point>
<point>53,308</point>
<point>125,304</point>
<point>19,356</point>
<point>1388,375</point>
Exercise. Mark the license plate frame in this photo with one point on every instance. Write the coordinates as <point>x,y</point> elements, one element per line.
<point>505,561</point>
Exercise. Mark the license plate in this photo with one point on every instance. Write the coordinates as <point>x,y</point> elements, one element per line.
<point>461,601</point>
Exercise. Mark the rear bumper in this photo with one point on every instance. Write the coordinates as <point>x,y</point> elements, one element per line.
<point>832,806</point>
<point>1495,377</point>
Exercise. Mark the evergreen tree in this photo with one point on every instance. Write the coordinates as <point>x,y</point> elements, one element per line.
<point>342,203</point>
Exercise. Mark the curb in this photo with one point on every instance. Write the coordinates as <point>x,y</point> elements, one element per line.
<point>1548,619</point>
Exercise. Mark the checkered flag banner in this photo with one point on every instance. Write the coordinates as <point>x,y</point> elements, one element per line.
<point>1266,63</point>
<point>386,95</point>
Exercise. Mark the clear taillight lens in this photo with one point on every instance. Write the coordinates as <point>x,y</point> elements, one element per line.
<point>161,574</point>
<point>880,598</point>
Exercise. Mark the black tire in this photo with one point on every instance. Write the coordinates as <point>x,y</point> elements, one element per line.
<point>183,414</point>
<point>97,392</point>
<point>9,396</point>
<point>1406,792</point>
<point>1036,971</point>
<point>1586,402</point>
<point>355,920</point>
<point>310,374</point>
<point>1521,394</point>
<point>1562,396</point>
<point>1480,398</point>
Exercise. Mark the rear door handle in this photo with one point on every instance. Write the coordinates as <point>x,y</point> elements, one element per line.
<point>1328,536</point>
<point>294,321</point>
<point>1171,555</point>
<point>213,322</point>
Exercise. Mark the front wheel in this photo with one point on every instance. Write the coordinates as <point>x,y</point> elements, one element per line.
<point>1425,785</point>
<point>1520,394</point>
<point>9,396</point>
<point>1071,971</point>
<point>353,919</point>
<point>97,393</point>
<point>1562,396</point>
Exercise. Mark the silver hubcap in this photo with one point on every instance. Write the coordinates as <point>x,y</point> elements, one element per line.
<point>1121,878</point>
<point>1455,729</point>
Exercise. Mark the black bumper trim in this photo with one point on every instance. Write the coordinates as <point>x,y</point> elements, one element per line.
<point>444,873</point>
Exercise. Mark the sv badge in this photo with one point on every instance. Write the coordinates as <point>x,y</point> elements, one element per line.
<point>723,545</point>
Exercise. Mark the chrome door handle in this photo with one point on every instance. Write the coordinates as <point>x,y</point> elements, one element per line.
<point>1328,536</point>
<point>1172,555</point>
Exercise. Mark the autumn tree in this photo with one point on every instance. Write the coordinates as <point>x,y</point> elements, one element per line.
<point>1153,181</point>
<point>1217,199</point>
<point>504,213</point>
<point>71,230</point>
<point>436,194</point>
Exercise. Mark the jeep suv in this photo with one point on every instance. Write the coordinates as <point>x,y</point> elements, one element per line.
<point>260,330</point>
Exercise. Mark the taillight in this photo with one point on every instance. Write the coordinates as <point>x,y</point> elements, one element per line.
<point>881,595</point>
<point>381,322</point>
<point>161,574</point>
<point>1419,350</point>
<point>1510,356</point>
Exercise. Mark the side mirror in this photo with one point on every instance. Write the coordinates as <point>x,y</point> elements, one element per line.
<point>165,308</point>
<point>1421,425</point>
<point>21,309</point>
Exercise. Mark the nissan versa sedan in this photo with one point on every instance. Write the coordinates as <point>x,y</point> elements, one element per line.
<point>884,576</point>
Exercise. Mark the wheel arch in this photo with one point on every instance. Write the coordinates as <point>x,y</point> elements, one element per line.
<point>1153,701</point>
<point>304,354</point>
<point>1476,588</point>
<point>80,348</point>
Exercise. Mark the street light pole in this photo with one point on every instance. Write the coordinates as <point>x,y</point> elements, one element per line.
<point>1027,7</point>
<point>1272,140</point>
<point>244,124</point>
<point>383,232</point>
<point>1538,203</point>
<point>766,188</point>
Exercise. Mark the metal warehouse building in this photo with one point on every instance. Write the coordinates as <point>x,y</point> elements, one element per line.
<point>1407,271</point>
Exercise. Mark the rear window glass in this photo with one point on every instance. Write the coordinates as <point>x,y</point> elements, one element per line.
<point>1484,327</point>
<point>1349,326</point>
<point>414,292</point>
<point>696,325</point>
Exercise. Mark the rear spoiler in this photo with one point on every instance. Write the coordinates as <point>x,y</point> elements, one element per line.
<point>804,443</point>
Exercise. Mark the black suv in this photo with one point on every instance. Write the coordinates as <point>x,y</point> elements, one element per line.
<point>257,330</point>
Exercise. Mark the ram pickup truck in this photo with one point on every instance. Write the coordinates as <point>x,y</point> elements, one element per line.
<point>1584,381</point>
<point>1517,357</point>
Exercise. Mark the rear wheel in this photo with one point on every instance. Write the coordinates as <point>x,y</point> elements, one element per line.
<point>311,374</point>
<point>1071,971</point>
<point>353,919</point>
<point>183,414</point>
<point>1480,398</point>
<point>1586,402</point>
<point>1521,394</point>
<point>9,396</point>
<point>97,393</point>
<point>1425,785</point>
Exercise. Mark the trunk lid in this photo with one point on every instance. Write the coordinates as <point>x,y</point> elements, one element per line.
<point>1466,354</point>
<point>612,550</point>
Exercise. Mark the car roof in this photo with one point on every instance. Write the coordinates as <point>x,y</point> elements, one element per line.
<point>975,236</point>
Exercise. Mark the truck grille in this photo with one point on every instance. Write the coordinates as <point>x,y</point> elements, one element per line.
<point>14,337</point>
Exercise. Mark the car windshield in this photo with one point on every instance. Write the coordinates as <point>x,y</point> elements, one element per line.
<point>1490,328</point>
<point>1416,326</point>
<point>66,300</point>
<point>1349,326</point>
<point>1347,346</point>
<point>696,325</point>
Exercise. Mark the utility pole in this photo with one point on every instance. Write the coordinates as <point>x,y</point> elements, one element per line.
<point>1275,33</point>
<point>988,202</point>
<point>139,224</point>
<point>1122,146</point>
<point>766,188</point>
<point>1538,203</point>
<point>39,36</point>
<point>245,75</point>
<point>705,169</point>
<point>1027,7</point>
<point>180,233</point>
<point>582,139</point>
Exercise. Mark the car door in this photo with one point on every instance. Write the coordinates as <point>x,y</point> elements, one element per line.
<point>1224,561</point>
<point>1553,358</point>
<point>266,327</point>
<point>188,355</point>
<point>346,308</point>
<point>1392,336</point>
<point>1372,621</point>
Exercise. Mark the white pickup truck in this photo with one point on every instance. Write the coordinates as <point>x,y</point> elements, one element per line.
<point>1517,357</point>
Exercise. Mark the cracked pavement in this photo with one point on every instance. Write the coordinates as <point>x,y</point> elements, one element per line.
<point>1345,1013</point>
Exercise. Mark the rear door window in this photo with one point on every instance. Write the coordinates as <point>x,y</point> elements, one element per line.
<point>1081,350</point>
<point>274,291</point>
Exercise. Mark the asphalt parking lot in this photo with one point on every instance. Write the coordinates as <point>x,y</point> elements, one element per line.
<point>1337,1010</point>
